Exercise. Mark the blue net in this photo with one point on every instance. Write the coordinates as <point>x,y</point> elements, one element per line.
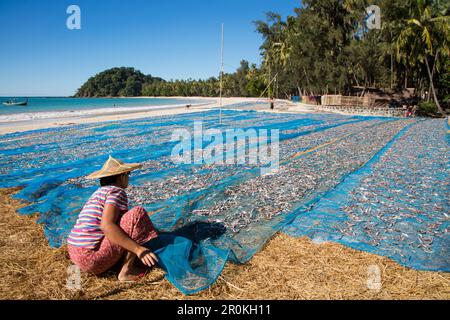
<point>396,205</point>
<point>208,213</point>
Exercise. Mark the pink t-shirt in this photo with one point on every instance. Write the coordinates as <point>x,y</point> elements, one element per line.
<point>87,232</point>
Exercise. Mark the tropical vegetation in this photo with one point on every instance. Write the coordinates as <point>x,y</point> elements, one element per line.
<point>324,48</point>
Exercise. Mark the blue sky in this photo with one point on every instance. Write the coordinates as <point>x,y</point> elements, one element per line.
<point>172,39</point>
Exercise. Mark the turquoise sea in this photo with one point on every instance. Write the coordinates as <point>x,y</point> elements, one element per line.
<point>61,104</point>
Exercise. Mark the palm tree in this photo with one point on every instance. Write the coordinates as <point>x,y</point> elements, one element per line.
<point>423,39</point>
<point>275,50</point>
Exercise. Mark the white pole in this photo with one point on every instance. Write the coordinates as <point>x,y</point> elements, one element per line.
<point>221,80</point>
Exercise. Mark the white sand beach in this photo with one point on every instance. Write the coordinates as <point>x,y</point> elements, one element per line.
<point>32,121</point>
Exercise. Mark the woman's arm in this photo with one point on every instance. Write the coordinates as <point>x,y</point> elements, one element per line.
<point>117,236</point>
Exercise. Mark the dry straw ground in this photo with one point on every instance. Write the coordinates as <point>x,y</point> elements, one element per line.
<point>287,268</point>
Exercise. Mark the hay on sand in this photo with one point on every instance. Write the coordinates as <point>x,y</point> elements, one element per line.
<point>287,268</point>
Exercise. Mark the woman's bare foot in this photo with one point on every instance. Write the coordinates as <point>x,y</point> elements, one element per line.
<point>131,271</point>
<point>133,274</point>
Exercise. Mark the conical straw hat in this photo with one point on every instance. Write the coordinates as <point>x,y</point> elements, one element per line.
<point>113,167</point>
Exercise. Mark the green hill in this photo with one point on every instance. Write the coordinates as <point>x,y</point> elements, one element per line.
<point>116,82</point>
<point>129,82</point>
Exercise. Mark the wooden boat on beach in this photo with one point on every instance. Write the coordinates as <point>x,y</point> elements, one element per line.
<point>14,102</point>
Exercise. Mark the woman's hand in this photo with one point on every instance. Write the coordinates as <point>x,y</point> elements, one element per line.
<point>147,257</point>
<point>117,236</point>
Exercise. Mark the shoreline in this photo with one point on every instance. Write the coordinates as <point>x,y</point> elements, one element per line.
<point>45,120</point>
<point>109,114</point>
<point>44,115</point>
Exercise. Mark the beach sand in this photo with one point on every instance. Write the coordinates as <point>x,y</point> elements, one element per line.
<point>136,113</point>
<point>287,268</point>
<point>281,106</point>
